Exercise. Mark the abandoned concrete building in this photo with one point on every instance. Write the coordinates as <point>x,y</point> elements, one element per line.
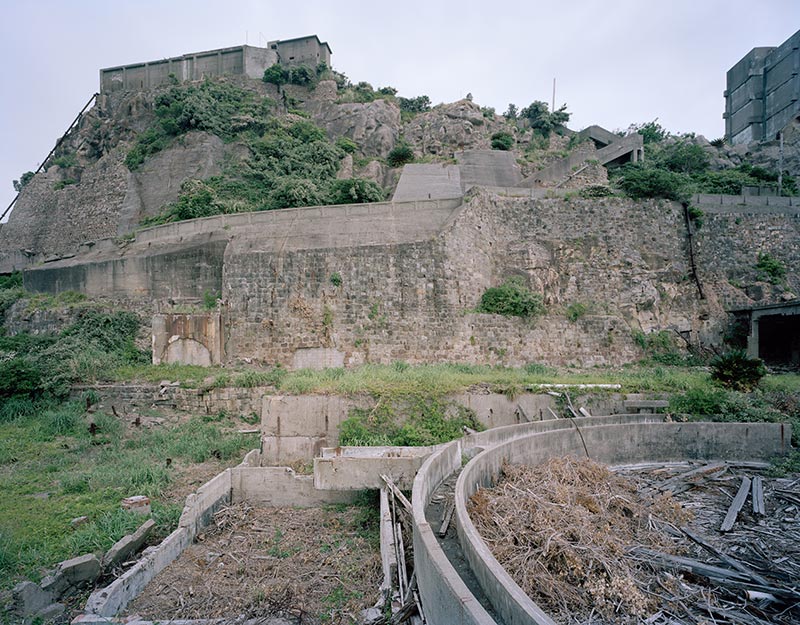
<point>244,60</point>
<point>763,92</point>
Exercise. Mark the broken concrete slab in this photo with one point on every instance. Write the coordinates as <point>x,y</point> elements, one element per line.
<point>128,545</point>
<point>29,598</point>
<point>50,613</point>
<point>81,570</point>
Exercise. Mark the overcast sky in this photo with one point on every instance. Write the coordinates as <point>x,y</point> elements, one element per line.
<point>615,61</point>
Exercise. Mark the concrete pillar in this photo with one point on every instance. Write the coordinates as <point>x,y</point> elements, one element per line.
<point>752,338</point>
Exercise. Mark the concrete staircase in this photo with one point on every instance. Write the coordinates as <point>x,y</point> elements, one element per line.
<point>613,150</point>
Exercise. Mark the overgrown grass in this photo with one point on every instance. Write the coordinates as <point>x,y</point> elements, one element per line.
<point>52,469</point>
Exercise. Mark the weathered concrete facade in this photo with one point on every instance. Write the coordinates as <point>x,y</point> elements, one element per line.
<point>250,61</point>
<point>763,92</point>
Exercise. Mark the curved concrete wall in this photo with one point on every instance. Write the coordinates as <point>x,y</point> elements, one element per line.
<point>445,597</point>
<point>611,444</point>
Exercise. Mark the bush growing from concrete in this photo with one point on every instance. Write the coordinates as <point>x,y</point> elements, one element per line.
<point>406,421</point>
<point>512,298</point>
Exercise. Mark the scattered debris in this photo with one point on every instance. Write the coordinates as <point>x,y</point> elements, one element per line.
<point>128,545</point>
<point>644,544</point>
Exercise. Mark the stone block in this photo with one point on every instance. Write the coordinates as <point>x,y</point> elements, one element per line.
<point>81,570</point>
<point>29,598</point>
<point>51,613</point>
<point>128,545</point>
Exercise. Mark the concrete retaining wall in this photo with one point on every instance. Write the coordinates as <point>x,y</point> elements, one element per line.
<point>612,444</point>
<point>281,486</point>
<point>445,597</point>
<point>197,513</point>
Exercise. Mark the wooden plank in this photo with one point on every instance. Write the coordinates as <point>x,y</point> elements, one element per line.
<point>397,493</point>
<point>584,412</point>
<point>684,481</point>
<point>522,412</point>
<point>758,496</point>
<point>736,506</point>
<point>446,522</point>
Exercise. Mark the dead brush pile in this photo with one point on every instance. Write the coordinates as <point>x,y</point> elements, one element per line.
<point>562,529</point>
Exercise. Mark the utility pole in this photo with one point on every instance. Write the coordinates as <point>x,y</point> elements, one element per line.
<point>553,107</point>
<point>780,164</point>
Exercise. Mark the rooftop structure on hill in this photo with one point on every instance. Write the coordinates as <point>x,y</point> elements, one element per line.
<point>763,92</point>
<point>245,60</point>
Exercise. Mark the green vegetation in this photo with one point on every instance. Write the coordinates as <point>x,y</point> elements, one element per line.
<point>291,163</point>
<point>425,421</point>
<point>677,168</point>
<point>771,268</point>
<point>400,155</point>
<point>502,141</point>
<point>66,160</point>
<point>336,279</point>
<point>355,191</point>
<point>56,470</point>
<point>511,298</point>
<point>347,145</point>
<point>45,366</point>
<point>770,404</point>
<point>216,107</point>
<point>542,120</point>
<point>300,75</point>
<point>576,310</point>
<point>737,371</point>
<point>412,106</point>
<point>661,348</point>
<point>23,181</point>
<point>652,132</point>
<point>64,183</point>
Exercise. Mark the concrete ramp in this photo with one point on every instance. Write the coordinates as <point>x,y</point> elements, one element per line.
<point>430,181</point>
<point>488,168</point>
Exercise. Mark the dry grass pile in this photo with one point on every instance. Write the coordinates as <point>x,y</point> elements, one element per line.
<point>561,530</point>
<point>316,565</point>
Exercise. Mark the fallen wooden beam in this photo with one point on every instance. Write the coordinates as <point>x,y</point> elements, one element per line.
<point>397,493</point>
<point>736,505</point>
<point>732,562</point>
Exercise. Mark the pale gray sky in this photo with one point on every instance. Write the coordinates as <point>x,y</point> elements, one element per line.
<point>615,61</point>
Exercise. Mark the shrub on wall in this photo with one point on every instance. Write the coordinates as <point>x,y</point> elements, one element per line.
<point>771,268</point>
<point>502,141</point>
<point>512,298</point>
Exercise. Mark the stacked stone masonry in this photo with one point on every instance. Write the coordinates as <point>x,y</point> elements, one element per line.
<point>412,275</point>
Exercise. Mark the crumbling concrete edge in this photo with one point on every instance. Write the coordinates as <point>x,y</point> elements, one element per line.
<point>198,511</point>
<point>445,597</point>
<point>612,444</point>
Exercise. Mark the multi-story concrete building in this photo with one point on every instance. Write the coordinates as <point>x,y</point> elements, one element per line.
<point>763,93</point>
<point>240,60</point>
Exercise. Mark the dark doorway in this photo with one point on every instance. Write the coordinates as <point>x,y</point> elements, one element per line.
<point>779,339</point>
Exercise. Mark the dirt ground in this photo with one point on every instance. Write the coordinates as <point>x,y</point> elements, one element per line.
<point>316,565</point>
<point>593,546</point>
